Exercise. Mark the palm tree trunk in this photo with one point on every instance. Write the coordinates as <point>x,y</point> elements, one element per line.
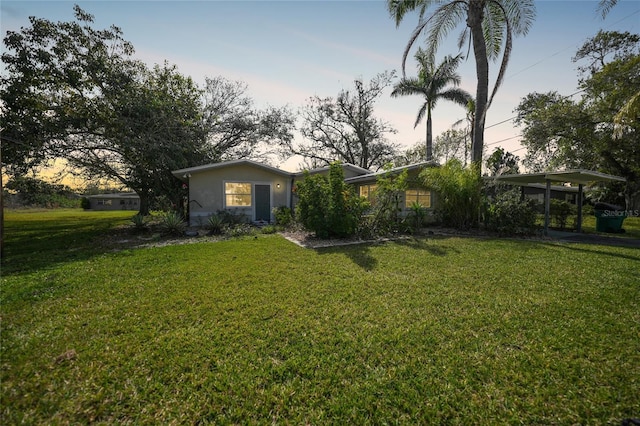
<point>474,21</point>
<point>429,141</point>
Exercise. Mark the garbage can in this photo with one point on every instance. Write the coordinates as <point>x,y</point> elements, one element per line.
<point>609,217</point>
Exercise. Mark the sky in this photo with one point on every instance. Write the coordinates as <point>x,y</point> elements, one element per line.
<point>289,51</point>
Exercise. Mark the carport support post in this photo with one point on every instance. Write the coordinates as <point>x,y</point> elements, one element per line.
<point>580,190</point>
<point>547,206</point>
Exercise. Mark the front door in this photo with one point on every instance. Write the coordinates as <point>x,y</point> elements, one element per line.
<point>263,202</point>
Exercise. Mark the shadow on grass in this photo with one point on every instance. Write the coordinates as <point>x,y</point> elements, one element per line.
<point>573,247</point>
<point>360,254</point>
<point>32,245</point>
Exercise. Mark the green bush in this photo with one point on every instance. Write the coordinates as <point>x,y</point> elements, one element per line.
<point>215,224</point>
<point>85,203</point>
<point>232,217</point>
<point>139,222</point>
<point>560,211</point>
<point>283,215</point>
<point>172,223</point>
<point>328,206</point>
<point>384,214</point>
<point>509,215</point>
<point>239,230</point>
<point>417,216</point>
<point>459,193</point>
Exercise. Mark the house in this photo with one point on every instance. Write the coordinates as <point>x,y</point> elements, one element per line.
<point>415,193</point>
<point>115,201</point>
<point>253,189</point>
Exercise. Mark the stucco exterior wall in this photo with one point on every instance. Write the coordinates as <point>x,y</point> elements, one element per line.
<point>206,190</point>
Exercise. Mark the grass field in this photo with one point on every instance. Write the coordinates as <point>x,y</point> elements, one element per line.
<point>259,331</point>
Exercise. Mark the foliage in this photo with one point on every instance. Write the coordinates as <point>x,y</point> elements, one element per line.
<point>489,25</point>
<point>433,84</point>
<point>508,214</point>
<point>283,215</point>
<point>238,230</point>
<point>459,193</point>
<point>385,209</point>
<point>139,222</point>
<point>451,144</point>
<point>215,224</point>
<point>328,206</point>
<point>25,191</point>
<point>345,128</point>
<point>604,47</point>
<point>502,162</point>
<point>254,337</point>
<point>235,128</point>
<point>608,143</point>
<point>85,203</point>
<point>233,216</point>
<point>74,92</point>
<point>417,216</point>
<point>172,223</point>
<point>560,211</point>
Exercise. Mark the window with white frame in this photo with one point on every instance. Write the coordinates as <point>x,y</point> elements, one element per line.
<point>368,192</point>
<point>420,196</point>
<point>237,194</point>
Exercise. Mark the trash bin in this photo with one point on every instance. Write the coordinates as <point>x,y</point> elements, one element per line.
<point>609,217</point>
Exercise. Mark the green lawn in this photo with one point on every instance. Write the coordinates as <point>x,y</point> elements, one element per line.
<point>258,330</point>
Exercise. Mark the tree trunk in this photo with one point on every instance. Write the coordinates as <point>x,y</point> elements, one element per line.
<point>144,203</point>
<point>474,21</point>
<point>429,148</point>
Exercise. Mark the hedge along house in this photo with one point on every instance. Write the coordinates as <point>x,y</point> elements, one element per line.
<point>415,193</point>
<point>244,187</point>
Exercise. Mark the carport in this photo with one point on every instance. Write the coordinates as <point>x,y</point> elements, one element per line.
<point>579,177</point>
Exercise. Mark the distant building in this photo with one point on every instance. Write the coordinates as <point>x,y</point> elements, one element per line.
<point>117,201</point>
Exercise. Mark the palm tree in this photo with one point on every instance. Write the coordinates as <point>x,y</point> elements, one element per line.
<point>490,24</point>
<point>431,84</point>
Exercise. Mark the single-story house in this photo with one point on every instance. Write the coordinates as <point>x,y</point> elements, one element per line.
<point>115,201</point>
<point>253,189</point>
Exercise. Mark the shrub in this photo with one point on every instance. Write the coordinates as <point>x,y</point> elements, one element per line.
<point>328,206</point>
<point>215,224</point>
<point>459,192</point>
<point>417,216</point>
<point>85,203</point>
<point>509,215</point>
<point>269,229</point>
<point>283,215</point>
<point>139,222</point>
<point>386,206</point>
<point>561,210</point>
<point>172,223</point>
<point>239,230</point>
<point>235,217</point>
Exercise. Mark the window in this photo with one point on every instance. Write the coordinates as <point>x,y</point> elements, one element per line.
<point>237,194</point>
<point>422,196</point>
<point>104,202</point>
<point>368,192</point>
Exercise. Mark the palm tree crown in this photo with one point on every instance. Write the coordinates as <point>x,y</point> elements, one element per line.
<point>432,84</point>
<point>489,27</point>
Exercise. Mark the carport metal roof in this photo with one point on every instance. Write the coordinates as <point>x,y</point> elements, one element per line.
<point>580,177</point>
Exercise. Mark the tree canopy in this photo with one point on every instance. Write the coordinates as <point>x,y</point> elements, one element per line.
<point>489,26</point>
<point>585,133</point>
<point>432,83</point>
<point>345,128</point>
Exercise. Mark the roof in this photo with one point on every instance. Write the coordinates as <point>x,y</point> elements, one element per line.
<point>572,176</point>
<point>353,167</point>
<point>115,195</point>
<point>184,174</point>
<point>395,170</point>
